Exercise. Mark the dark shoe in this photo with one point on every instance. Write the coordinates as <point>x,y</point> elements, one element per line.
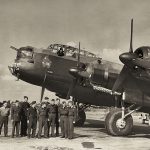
<point>28,136</point>
<point>62,136</point>
<point>52,135</point>
<point>33,136</point>
<point>57,134</point>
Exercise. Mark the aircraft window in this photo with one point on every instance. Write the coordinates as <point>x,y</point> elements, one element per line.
<point>55,47</point>
<point>82,53</point>
<point>139,52</point>
<point>60,52</point>
<point>148,52</point>
<point>26,54</point>
<point>69,53</point>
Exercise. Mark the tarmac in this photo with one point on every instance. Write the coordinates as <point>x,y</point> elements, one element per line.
<point>92,136</point>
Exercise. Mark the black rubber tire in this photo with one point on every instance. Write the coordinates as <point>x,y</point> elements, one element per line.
<point>110,123</point>
<point>108,116</point>
<point>81,119</point>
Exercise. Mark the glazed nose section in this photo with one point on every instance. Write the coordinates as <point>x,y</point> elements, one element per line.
<point>126,58</point>
<point>14,68</point>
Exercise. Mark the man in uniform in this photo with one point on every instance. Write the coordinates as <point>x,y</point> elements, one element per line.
<point>46,100</point>
<point>4,114</point>
<point>24,108</point>
<point>46,127</point>
<point>42,116</point>
<point>16,117</point>
<point>71,119</point>
<point>63,112</point>
<point>58,105</point>
<point>32,119</point>
<point>51,117</point>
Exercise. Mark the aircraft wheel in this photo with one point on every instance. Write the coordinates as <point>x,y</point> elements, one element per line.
<point>116,126</point>
<point>108,116</point>
<point>81,119</point>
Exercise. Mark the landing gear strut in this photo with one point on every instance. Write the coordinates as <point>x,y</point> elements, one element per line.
<point>119,121</point>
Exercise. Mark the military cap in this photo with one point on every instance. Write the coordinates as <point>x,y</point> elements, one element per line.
<point>16,101</point>
<point>63,102</point>
<point>4,102</point>
<point>46,98</point>
<point>57,99</point>
<point>33,102</point>
<point>43,103</point>
<point>25,97</point>
<point>70,102</point>
<point>53,100</point>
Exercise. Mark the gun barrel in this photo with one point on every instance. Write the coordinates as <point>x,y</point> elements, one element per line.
<point>14,48</point>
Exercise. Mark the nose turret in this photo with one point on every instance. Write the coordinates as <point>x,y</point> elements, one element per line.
<point>15,68</point>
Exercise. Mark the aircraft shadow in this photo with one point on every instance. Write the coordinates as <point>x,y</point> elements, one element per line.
<point>98,125</point>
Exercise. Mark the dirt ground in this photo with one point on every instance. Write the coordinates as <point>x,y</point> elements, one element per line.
<point>92,136</point>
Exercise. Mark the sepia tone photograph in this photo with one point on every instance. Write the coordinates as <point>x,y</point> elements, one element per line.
<point>74,75</point>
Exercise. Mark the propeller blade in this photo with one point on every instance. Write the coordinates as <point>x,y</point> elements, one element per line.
<point>42,93</point>
<point>74,72</point>
<point>43,87</point>
<point>78,62</point>
<point>121,78</point>
<point>72,85</point>
<point>131,47</point>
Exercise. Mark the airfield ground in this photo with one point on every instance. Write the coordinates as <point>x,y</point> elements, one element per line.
<point>92,136</point>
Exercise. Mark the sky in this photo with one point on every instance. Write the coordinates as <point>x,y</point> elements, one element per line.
<point>102,27</point>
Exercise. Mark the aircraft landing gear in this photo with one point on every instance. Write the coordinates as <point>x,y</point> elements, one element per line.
<point>119,121</point>
<point>117,126</point>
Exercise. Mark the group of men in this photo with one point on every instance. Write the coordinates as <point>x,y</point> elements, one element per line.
<point>46,117</point>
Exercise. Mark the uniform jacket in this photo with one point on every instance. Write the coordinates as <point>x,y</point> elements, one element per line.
<point>52,109</point>
<point>4,112</point>
<point>72,112</point>
<point>42,112</point>
<point>24,108</point>
<point>63,111</point>
<point>16,113</point>
<point>32,113</point>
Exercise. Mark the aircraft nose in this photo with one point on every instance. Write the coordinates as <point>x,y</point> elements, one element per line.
<point>125,58</point>
<point>14,68</point>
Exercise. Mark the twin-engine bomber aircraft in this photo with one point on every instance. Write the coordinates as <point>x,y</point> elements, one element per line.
<point>70,71</point>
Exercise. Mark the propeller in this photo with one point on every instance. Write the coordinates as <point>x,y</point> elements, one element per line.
<point>131,47</point>
<point>74,72</point>
<point>43,86</point>
<point>46,64</point>
<point>124,58</point>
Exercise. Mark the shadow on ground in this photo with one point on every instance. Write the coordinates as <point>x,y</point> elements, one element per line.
<point>139,130</point>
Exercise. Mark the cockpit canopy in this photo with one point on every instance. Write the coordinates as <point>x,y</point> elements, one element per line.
<point>69,50</point>
<point>25,52</point>
<point>143,52</point>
